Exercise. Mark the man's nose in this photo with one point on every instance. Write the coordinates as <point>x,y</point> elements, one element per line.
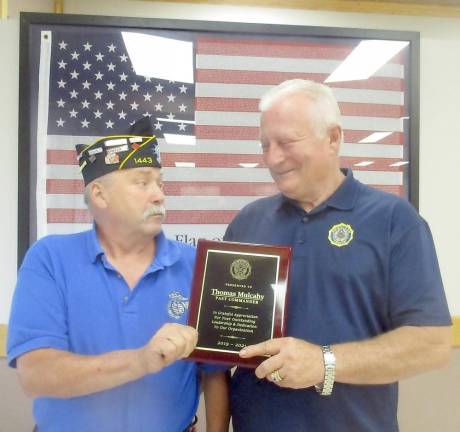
<point>273,155</point>
<point>156,194</point>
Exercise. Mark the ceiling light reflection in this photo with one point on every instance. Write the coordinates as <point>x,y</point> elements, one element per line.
<point>397,164</point>
<point>374,137</point>
<point>366,59</point>
<point>180,139</point>
<point>151,56</point>
<point>184,164</point>
<point>175,121</point>
<point>364,163</point>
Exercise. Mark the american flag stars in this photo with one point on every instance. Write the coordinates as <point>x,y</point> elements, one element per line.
<point>95,75</point>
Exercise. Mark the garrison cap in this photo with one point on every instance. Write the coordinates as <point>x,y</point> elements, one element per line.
<point>134,149</point>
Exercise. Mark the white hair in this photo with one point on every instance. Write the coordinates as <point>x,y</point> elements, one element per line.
<point>326,111</point>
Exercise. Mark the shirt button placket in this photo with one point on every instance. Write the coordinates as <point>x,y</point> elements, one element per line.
<point>301,237</point>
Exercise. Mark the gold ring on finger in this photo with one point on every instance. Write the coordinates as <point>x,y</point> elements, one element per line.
<point>275,376</point>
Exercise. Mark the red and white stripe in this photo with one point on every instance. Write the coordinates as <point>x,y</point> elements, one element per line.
<point>231,76</point>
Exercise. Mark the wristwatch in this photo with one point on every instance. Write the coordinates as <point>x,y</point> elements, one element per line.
<point>325,388</point>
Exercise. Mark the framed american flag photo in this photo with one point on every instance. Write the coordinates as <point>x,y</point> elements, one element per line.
<point>82,77</point>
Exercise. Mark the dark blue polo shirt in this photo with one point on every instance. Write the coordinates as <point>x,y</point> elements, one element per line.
<point>364,263</point>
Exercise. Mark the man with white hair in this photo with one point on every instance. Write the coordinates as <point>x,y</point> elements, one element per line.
<point>366,304</point>
<point>97,329</point>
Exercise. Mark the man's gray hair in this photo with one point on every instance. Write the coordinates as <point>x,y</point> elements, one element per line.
<point>105,179</point>
<point>327,110</point>
<point>87,196</point>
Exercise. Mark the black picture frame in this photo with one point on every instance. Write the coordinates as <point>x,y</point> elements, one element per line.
<point>29,67</point>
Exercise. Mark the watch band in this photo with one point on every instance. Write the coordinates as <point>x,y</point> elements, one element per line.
<point>325,388</point>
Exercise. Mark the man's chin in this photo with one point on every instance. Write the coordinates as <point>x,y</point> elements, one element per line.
<point>155,218</point>
<point>286,188</point>
<point>152,230</point>
<point>153,223</point>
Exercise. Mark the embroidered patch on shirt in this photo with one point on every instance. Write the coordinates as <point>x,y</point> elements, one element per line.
<point>341,235</point>
<point>177,305</point>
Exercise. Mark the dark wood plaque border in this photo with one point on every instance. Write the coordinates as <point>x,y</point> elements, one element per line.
<point>280,315</point>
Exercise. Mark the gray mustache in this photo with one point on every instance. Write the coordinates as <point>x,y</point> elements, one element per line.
<point>155,210</point>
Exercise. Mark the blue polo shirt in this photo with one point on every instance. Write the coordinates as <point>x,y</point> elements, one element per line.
<point>69,297</point>
<point>364,263</point>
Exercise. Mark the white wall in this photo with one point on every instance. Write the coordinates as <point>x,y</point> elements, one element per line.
<point>440,123</point>
<point>8,172</point>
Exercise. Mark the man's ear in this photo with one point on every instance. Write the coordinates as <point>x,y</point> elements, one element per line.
<point>335,138</point>
<point>98,194</point>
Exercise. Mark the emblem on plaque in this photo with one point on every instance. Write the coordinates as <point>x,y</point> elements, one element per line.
<point>240,269</point>
<point>341,235</point>
<point>177,305</point>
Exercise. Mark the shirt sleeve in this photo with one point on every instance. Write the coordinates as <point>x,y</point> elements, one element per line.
<point>416,290</point>
<point>38,318</point>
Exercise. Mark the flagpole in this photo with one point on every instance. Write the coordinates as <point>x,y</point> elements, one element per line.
<point>42,127</point>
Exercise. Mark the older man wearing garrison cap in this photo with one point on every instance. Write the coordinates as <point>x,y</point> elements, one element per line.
<point>97,330</point>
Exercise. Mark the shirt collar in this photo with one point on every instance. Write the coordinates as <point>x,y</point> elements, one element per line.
<point>166,252</point>
<point>344,198</point>
<point>94,247</point>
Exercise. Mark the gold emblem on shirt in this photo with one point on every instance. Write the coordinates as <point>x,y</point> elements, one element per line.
<point>341,235</point>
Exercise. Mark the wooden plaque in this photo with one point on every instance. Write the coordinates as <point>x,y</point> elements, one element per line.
<point>238,298</point>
